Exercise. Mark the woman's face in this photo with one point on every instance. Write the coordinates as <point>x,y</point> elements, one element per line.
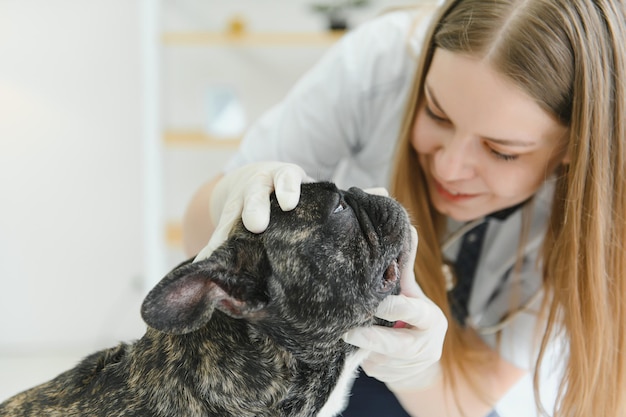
<point>483,144</point>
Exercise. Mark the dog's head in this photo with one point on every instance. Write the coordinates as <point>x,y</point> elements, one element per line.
<point>316,272</point>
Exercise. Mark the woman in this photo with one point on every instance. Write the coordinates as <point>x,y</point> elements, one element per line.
<point>500,126</point>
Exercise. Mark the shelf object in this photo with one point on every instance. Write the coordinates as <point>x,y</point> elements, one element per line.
<point>174,234</point>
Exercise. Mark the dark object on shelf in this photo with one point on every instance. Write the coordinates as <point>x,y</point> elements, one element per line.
<point>336,12</point>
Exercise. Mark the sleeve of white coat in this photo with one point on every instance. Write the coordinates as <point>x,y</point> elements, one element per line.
<point>324,117</point>
<point>518,344</point>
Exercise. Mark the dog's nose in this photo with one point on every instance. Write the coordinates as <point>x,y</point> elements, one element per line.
<point>377,207</point>
<point>361,197</point>
<point>387,216</point>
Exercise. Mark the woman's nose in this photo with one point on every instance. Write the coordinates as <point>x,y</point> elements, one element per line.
<point>454,159</point>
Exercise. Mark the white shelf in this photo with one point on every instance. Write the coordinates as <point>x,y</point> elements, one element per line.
<point>253,39</point>
<point>199,139</point>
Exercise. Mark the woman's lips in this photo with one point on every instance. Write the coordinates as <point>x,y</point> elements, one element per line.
<point>451,195</point>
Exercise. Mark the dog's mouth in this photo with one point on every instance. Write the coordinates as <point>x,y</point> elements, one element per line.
<point>370,218</point>
<point>390,280</point>
<point>390,285</point>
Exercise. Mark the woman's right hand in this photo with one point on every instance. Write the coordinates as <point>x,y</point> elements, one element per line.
<point>406,357</point>
<point>245,193</point>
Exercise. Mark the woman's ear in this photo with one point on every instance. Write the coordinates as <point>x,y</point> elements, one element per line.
<point>563,149</point>
<point>566,157</point>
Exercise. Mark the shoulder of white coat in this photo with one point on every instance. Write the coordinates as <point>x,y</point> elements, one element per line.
<point>406,26</point>
<point>387,45</point>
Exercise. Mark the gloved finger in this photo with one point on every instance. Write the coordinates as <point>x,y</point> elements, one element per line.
<point>256,203</point>
<point>408,284</point>
<point>418,312</point>
<point>377,365</point>
<point>287,182</point>
<point>382,191</point>
<point>256,213</point>
<point>400,344</point>
<point>217,238</point>
<point>403,377</point>
<point>230,216</point>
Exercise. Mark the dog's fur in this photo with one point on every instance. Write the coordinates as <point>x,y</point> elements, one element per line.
<point>254,330</point>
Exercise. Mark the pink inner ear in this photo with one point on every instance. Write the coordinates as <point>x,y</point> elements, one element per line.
<point>189,290</point>
<point>233,307</point>
<point>196,291</point>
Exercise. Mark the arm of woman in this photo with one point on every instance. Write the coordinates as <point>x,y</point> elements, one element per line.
<point>495,377</point>
<point>197,224</point>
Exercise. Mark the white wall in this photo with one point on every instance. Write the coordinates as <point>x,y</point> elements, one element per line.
<point>70,173</point>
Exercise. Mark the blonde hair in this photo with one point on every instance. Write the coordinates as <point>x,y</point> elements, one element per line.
<point>570,56</point>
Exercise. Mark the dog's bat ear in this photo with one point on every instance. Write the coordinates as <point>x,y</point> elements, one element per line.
<point>231,280</point>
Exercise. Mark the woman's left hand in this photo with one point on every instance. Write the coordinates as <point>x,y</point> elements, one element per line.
<point>408,357</point>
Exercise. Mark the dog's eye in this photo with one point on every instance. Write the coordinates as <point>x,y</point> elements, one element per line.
<point>340,207</point>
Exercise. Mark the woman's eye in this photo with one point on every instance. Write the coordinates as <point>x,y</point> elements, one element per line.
<point>433,116</point>
<point>503,156</point>
<point>340,207</point>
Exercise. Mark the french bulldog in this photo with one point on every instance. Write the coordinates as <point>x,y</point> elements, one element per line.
<point>253,330</point>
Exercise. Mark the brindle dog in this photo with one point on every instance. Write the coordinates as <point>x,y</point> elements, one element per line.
<point>255,329</point>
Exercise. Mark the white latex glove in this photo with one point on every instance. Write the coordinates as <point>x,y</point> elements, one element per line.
<point>245,194</point>
<point>404,358</point>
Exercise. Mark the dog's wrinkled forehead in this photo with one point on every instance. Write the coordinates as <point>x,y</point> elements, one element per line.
<point>333,259</point>
<point>318,203</point>
<point>329,212</point>
<point>342,238</point>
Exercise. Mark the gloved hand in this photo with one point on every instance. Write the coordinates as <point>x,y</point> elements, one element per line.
<point>408,357</point>
<point>245,193</point>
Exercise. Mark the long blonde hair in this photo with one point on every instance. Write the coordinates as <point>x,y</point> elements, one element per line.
<point>570,56</point>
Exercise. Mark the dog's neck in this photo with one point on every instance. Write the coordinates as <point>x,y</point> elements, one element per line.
<point>240,373</point>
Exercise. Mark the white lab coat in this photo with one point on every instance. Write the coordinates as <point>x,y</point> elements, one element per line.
<point>341,121</point>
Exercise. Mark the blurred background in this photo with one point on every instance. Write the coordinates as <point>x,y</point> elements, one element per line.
<point>112,113</point>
